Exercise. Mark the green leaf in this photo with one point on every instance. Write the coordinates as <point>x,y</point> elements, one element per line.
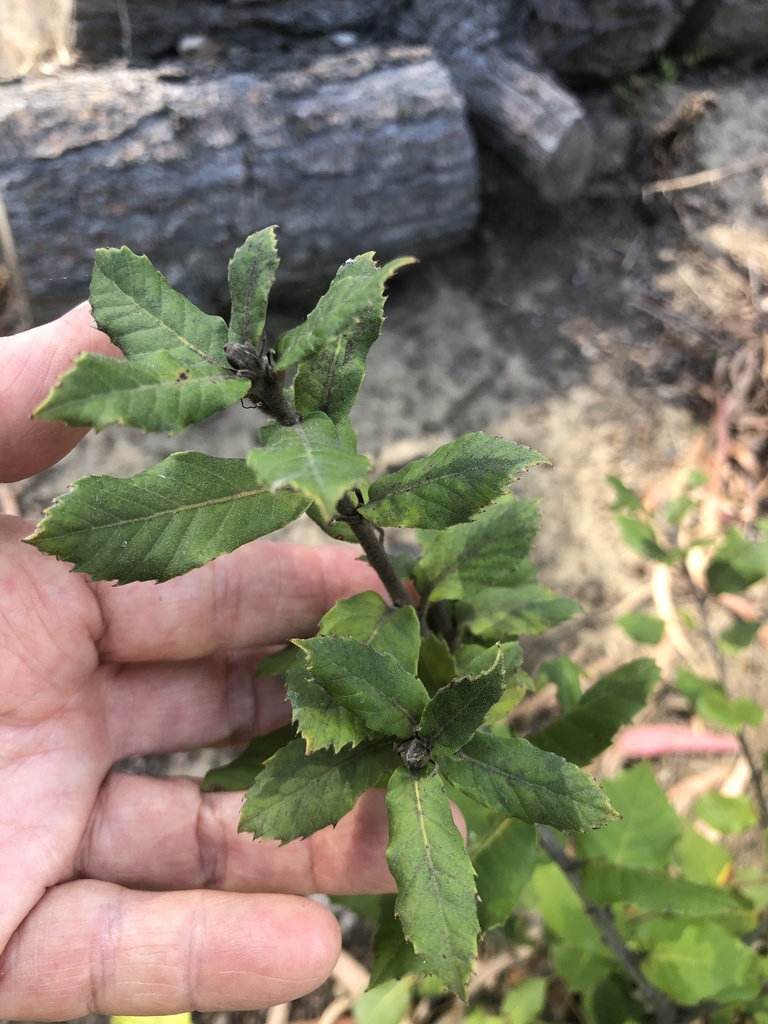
<point>589,727</point>
<point>435,883</point>
<point>309,458</point>
<point>163,522</point>
<point>566,675</point>
<point>252,272</point>
<point>677,509</point>
<point>648,889</point>
<point>473,659</point>
<point>437,666</point>
<point>737,564</point>
<point>737,636</point>
<point>337,530</point>
<point>321,720</point>
<point>729,814</point>
<point>693,687</point>
<point>365,617</point>
<point>641,537</point>
<point>465,559</point>
<point>709,700</point>
<point>524,1002</point>
<point>373,686</point>
<point>611,999</point>
<point>715,707</point>
<point>386,1004</point>
<point>646,629</point>
<point>698,859</point>
<point>506,612</point>
<point>513,778</point>
<point>451,485</point>
<point>649,827</point>
<point>240,773</point>
<point>175,372</point>
<point>457,711</point>
<point>704,962</point>
<point>329,380</point>
<point>563,912</point>
<point>579,956</point>
<point>368,618</point>
<point>298,793</point>
<point>393,955</point>
<point>625,498</point>
<point>504,862</point>
<point>280,662</point>
<point>585,971</point>
<point>351,296</point>
<point>497,719</point>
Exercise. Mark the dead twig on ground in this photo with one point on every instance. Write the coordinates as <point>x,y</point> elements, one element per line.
<point>18,309</point>
<point>711,177</point>
<point>9,503</point>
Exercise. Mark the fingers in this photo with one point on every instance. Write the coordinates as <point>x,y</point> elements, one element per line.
<point>264,593</point>
<point>153,833</point>
<point>165,707</point>
<point>32,363</point>
<point>92,947</point>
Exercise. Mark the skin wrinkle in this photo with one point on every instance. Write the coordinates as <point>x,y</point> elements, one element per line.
<point>211,842</point>
<point>227,600</point>
<point>193,958</point>
<point>85,853</point>
<point>256,705</point>
<point>113,722</point>
<point>107,944</point>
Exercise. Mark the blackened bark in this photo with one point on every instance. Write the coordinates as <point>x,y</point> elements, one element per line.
<point>368,150</point>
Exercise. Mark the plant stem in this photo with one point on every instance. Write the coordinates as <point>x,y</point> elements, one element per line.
<point>721,665</point>
<point>274,400</point>
<point>369,540</point>
<point>266,390</point>
<point>664,1011</point>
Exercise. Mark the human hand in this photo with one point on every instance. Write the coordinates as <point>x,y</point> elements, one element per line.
<point>129,894</point>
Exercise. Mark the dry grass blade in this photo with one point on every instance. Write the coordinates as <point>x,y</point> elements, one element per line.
<point>9,503</point>
<point>685,181</point>
<point>17,315</point>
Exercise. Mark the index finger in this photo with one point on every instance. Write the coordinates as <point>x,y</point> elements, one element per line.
<point>261,594</point>
<point>32,363</point>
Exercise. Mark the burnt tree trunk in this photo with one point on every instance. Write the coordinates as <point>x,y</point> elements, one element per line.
<point>516,106</point>
<point>368,150</point>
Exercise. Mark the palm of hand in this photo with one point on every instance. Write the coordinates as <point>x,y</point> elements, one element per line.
<point>91,673</point>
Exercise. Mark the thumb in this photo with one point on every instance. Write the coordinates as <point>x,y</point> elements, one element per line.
<point>30,364</point>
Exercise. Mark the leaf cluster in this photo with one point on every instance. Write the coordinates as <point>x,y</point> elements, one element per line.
<point>412,694</point>
<point>734,562</point>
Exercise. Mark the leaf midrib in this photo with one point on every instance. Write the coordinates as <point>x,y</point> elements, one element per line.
<point>433,871</point>
<point>515,780</point>
<point>192,506</point>
<point>159,323</point>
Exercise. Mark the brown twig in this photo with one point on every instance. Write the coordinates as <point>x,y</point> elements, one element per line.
<point>368,538</point>
<point>18,300</point>
<point>9,503</point>
<point>685,181</point>
<point>721,665</point>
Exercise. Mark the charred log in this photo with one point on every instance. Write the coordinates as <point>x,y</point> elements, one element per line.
<point>370,150</point>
